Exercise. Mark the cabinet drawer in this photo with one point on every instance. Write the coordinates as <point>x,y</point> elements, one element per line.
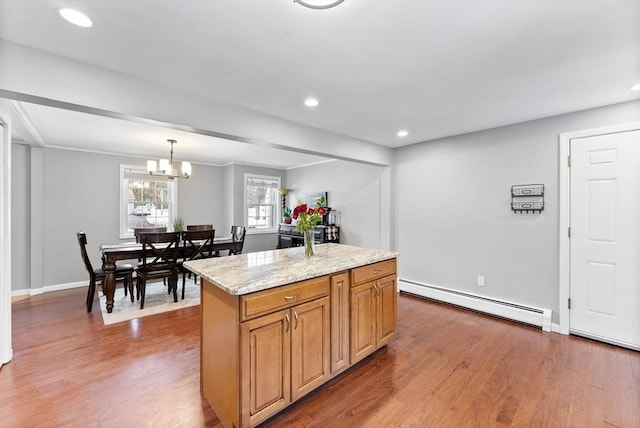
<point>372,271</point>
<point>263,302</point>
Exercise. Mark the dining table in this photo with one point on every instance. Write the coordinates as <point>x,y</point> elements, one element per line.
<point>111,253</point>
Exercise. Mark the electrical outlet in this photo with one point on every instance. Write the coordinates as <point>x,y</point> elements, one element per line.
<point>480,281</point>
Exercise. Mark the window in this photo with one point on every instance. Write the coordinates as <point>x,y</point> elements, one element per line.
<point>261,201</point>
<point>145,200</point>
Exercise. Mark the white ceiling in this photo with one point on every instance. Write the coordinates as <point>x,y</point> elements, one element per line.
<point>435,68</point>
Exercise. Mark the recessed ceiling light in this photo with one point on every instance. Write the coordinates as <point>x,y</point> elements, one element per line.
<point>402,133</point>
<point>75,17</point>
<point>319,4</point>
<point>636,87</point>
<point>311,102</point>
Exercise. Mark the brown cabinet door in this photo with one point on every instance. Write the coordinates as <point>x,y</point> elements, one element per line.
<point>386,304</point>
<point>266,367</point>
<point>310,341</point>
<point>339,321</point>
<point>363,321</point>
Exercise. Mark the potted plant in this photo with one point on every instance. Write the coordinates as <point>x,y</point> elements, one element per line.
<point>286,215</point>
<point>178,225</point>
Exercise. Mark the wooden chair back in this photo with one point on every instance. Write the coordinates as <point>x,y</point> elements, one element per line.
<point>138,230</point>
<point>237,235</point>
<point>161,251</point>
<point>82,241</point>
<point>198,244</point>
<point>199,227</point>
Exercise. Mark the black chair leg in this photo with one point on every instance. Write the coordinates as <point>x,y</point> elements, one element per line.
<point>86,301</point>
<point>90,294</point>
<point>184,274</point>
<point>142,287</point>
<point>173,286</point>
<point>128,284</point>
<point>131,289</point>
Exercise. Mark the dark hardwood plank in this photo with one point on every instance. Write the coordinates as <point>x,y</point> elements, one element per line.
<point>71,370</point>
<point>447,367</point>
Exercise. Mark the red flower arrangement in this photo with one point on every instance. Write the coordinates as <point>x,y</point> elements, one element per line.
<point>307,220</point>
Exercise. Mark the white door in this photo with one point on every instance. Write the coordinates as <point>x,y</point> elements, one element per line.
<point>605,238</point>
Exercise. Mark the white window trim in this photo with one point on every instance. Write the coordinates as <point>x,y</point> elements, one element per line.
<point>124,202</point>
<point>278,210</point>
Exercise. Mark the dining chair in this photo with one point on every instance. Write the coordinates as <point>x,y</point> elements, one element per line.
<point>138,230</point>
<point>237,236</point>
<point>199,227</point>
<point>161,252</point>
<point>196,244</point>
<point>123,272</point>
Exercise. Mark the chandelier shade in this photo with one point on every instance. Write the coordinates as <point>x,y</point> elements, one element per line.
<point>164,167</point>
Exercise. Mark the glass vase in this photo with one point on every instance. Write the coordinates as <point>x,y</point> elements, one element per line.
<point>308,242</point>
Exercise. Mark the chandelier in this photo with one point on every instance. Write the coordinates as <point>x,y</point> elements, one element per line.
<point>319,4</point>
<point>164,167</point>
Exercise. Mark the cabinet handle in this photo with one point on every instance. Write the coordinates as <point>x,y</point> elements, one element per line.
<point>289,298</point>
<point>295,316</point>
<point>286,321</point>
<point>378,288</point>
<point>377,271</point>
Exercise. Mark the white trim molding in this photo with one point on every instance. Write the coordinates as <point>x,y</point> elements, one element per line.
<point>564,186</point>
<point>540,317</point>
<point>6,350</point>
<point>48,288</point>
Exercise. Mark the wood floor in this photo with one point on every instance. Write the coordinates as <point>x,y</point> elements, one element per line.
<point>447,368</point>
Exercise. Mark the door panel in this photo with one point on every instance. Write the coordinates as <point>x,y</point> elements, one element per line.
<point>601,210</point>
<point>309,346</point>
<point>363,322</point>
<point>267,365</point>
<point>386,310</point>
<point>600,297</point>
<point>605,238</point>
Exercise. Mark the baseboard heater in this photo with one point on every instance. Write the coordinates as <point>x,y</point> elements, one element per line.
<point>526,314</point>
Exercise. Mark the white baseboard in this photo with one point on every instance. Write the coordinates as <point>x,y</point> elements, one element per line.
<point>527,314</point>
<point>48,288</point>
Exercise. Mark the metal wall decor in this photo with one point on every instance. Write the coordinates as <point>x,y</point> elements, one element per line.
<point>527,198</point>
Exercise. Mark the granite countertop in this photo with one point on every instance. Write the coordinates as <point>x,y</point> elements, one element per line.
<point>250,272</point>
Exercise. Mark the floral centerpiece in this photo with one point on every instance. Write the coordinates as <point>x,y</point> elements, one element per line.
<point>308,218</point>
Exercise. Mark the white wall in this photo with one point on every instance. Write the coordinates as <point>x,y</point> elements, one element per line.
<point>6,350</point>
<point>453,218</point>
<point>20,217</point>
<point>80,191</point>
<point>200,199</point>
<point>357,191</point>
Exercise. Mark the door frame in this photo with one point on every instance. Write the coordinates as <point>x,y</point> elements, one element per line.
<point>564,190</point>
<point>6,351</point>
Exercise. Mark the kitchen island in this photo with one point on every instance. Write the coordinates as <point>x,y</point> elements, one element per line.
<point>276,324</point>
